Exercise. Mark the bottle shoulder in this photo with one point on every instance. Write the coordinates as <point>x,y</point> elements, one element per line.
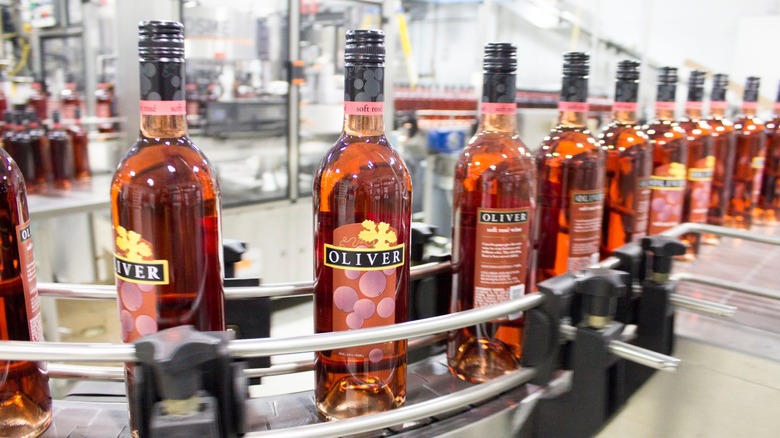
<point>664,131</point>
<point>696,128</point>
<point>618,135</point>
<point>748,125</point>
<point>566,143</point>
<point>157,164</point>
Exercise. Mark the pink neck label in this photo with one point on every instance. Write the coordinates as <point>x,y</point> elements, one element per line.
<point>777,108</point>
<point>718,105</point>
<point>749,105</point>
<point>693,105</point>
<point>577,107</point>
<point>665,106</point>
<point>624,106</point>
<point>498,108</point>
<point>163,108</point>
<point>364,108</point>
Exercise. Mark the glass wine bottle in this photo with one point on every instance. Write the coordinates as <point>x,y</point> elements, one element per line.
<point>571,173</point>
<point>362,219</point>
<point>165,206</point>
<point>25,398</point>
<point>749,159</point>
<point>493,212</point>
<point>670,157</point>
<point>701,162</point>
<point>629,166</point>
<point>768,211</point>
<point>724,146</point>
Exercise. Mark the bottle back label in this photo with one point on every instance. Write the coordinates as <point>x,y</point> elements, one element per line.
<point>29,281</point>
<point>641,210</point>
<point>757,164</point>
<point>502,246</point>
<point>700,181</point>
<point>365,259</point>
<point>586,211</point>
<point>137,275</point>
<point>668,192</point>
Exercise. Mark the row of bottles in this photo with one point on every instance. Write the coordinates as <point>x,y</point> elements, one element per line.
<point>52,156</point>
<point>574,201</point>
<point>69,103</point>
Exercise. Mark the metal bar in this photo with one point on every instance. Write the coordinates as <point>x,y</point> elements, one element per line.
<point>91,372</point>
<point>343,339</point>
<point>94,372</point>
<point>643,356</point>
<point>66,351</point>
<point>85,352</point>
<point>280,369</point>
<point>725,284</point>
<point>293,100</point>
<point>690,227</point>
<point>607,263</point>
<point>108,292</point>
<point>437,406</point>
<point>702,306</point>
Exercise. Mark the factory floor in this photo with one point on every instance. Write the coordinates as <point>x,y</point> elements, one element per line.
<point>728,384</point>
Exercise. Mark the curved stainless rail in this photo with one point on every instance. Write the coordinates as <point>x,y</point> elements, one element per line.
<point>725,284</point>
<point>437,406</point>
<point>85,352</point>
<point>689,227</point>
<point>108,291</point>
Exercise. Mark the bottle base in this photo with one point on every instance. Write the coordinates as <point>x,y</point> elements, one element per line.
<point>352,396</point>
<point>479,360</point>
<point>22,418</point>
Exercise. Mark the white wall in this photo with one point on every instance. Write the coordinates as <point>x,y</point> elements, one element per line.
<point>734,37</point>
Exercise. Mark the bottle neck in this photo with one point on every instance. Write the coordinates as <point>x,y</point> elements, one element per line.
<point>166,126</point>
<point>163,108</point>
<point>717,112</point>
<point>749,108</point>
<point>498,110</point>
<point>364,100</point>
<point>626,95</point>
<point>626,117</point>
<point>573,103</point>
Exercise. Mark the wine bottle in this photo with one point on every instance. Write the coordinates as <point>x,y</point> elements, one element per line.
<point>25,398</point>
<point>748,161</point>
<point>41,152</point>
<point>701,162</point>
<point>768,212</point>
<point>61,154</point>
<point>629,166</point>
<point>165,206</point>
<point>670,157</point>
<point>79,138</point>
<point>493,212</point>
<point>19,147</point>
<point>362,216</point>
<point>724,146</point>
<point>571,172</point>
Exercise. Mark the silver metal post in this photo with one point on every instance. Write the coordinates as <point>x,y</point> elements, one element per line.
<point>702,306</point>
<point>725,284</point>
<point>643,356</point>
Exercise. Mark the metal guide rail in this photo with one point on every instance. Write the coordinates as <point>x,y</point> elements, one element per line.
<point>429,407</point>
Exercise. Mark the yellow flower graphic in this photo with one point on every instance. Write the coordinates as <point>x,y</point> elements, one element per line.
<point>380,235</point>
<point>130,242</point>
<point>677,170</point>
